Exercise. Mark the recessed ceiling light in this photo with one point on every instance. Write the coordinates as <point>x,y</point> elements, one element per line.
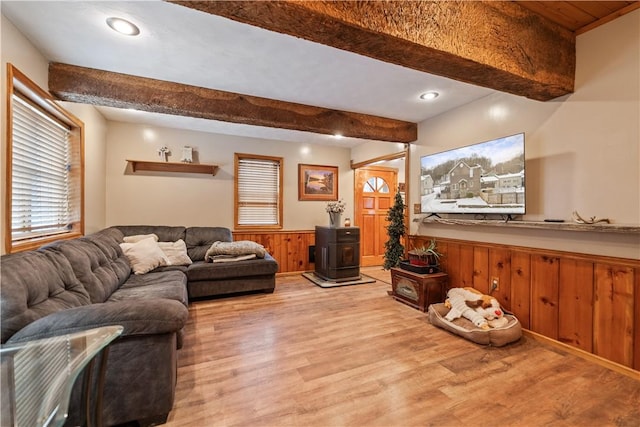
<point>123,26</point>
<point>428,96</point>
<point>337,136</point>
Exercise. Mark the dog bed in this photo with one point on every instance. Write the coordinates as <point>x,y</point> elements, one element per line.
<point>496,337</point>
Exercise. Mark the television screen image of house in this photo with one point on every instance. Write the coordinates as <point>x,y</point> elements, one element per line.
<point>482,178</point>
<point>318,182</point>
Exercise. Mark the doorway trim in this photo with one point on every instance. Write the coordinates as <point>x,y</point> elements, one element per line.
<point>406,153</point>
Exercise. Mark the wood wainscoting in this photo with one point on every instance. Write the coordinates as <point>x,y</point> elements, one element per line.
<point>289,248</point>
<point>589,302</point>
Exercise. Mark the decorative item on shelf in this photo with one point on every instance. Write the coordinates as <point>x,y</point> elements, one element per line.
<point>347,222</point>
<point>424,259</point>
<point>164,152</point>
<point>593,220</point>
<point>335,210</point>
<point>394,250</point>
<point>187,154</point>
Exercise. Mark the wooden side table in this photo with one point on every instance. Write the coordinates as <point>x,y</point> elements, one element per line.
<point>418,290</point>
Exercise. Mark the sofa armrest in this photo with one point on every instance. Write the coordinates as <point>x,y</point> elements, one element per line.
<point>153,316</point>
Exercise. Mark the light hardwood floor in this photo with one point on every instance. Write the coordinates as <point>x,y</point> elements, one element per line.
<point>353,356</point>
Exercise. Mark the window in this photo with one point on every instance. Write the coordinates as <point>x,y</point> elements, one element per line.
<point>45,187</point>
<point>376,185</point>
<point>258,191</point>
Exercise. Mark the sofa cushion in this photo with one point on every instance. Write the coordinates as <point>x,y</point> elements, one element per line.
<point>144,255</point>
<point>109,246</point>
<point>166,284</point>
<point>137,237</point>
<point>181,268</point>
<point>155,316</point>
<point>200,239</point>
<point>165,233</point>
<point>100,274</point>
<point>201,270</point>
<point>34,285</point>
<point>176,252</point>
<point>113,233</point>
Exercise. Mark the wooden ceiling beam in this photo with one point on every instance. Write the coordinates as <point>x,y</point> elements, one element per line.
<point>105,88</point>
<point>498,45</point>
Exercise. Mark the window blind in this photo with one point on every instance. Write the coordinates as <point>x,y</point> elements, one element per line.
<point>41,203</point>
<point>258,182</point>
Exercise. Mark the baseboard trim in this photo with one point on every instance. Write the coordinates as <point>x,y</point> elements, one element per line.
<point>289,273</point>
<point>621,369</point>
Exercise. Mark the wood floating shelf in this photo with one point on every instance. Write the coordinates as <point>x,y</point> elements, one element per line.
<point>565,226</point>
<point>143,165</point>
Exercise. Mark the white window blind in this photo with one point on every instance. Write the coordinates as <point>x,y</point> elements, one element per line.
<point>258,198</point>
<point>41,202</point>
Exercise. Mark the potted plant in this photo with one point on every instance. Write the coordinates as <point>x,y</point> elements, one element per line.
<point>425,255</point>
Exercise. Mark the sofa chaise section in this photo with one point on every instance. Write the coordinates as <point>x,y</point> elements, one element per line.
<point>74,285</point>
<point>71,286</point>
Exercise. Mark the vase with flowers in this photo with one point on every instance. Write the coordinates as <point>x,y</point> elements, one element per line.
<point>335,210</point>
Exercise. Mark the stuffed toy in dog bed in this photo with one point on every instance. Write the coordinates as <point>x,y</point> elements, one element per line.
<point>476,317</point>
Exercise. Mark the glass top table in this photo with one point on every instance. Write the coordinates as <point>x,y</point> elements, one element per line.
<point>37,376</point>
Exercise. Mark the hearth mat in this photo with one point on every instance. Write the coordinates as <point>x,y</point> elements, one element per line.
<point>329,284</point>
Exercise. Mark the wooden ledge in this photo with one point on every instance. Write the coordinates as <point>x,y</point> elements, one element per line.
<point>143,165</point>
<point>564,226</point>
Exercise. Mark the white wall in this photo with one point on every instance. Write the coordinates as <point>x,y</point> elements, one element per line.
<point>581,150</point>
<point>95,155</point>
<point>202,200</point>
<point>16,49</point>
<point>374,149</point>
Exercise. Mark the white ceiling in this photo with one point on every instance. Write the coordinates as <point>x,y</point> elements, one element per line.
<point>182,45</point>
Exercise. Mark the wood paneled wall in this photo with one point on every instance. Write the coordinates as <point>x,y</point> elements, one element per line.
<point>589,302</point>
<point>289,248</point>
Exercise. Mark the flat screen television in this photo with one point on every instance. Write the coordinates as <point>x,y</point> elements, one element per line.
<point>484,178</point>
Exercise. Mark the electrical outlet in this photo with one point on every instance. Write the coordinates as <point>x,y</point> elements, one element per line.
<point>495,284</point>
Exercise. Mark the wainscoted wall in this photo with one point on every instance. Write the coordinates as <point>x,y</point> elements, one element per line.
<point>289,248</point>
<point>587,301</point>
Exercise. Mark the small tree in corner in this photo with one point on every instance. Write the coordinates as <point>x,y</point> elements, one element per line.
<point>394,250</point>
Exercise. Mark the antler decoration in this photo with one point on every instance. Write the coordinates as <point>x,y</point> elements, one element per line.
<point>593,220</point>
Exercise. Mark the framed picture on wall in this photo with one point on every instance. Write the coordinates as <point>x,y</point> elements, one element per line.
<point>317,182</point>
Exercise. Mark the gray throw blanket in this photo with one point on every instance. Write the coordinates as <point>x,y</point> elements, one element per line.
<point>234,251</point>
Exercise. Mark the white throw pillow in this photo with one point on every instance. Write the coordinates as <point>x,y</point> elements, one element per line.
<point>144,255</point>
<point>176,252</point>
<point>136,238</point>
